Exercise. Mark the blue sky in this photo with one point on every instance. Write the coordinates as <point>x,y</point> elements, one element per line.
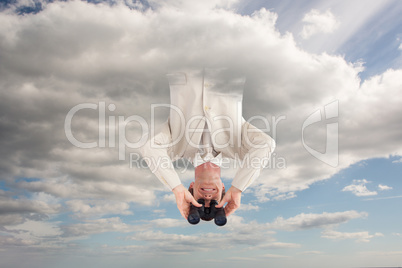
<point>64,206</point>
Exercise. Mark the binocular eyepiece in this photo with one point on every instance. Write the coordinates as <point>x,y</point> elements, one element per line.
<point>207,213</point>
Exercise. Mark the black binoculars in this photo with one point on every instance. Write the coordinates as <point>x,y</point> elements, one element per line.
<point>207,213</point>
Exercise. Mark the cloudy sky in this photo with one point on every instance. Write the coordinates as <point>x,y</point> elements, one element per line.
<point>323,78</point>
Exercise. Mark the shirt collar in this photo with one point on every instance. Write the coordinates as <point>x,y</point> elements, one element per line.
<point>199,160</point>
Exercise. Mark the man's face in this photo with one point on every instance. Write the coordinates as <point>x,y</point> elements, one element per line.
<point>207,184</point>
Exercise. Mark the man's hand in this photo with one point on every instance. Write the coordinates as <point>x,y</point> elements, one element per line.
<point>232,197</point>
<point>183,200</point>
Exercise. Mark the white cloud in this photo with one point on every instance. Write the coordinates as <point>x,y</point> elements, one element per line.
<point>169,198</point>
<point>167,243</point>
<point>308,221</point>
<point>317,22</point>
<point>350,25</point>
<point>17,211</point>
<point>274,256</point>
<point>248,259</point>
<point>382,187</point>
<point>312,252</point>
<point>358,236</point>
<point>397,161</point>
<point>168,223</point>
<point>248,207</point>
<point>359,188</point>
<point>97,226</point>
<point>160,212</point>
<point>194,6</point>
<point>36,229</point>
<point>6,241</point>
<point>112,190</point>
<point>235,233</point>
<point>285,196</point>
<point>383,198</point>
<point>91,208</point>
<point>276,245</point>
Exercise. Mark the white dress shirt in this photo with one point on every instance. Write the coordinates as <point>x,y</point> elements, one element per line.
<point>206,153</point>
<point>211,96</point>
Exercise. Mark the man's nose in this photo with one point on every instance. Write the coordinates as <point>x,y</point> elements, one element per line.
<point>207,195</point>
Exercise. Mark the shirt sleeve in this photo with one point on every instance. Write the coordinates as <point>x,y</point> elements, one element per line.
<point>256,149</point>
<point>155,154</point>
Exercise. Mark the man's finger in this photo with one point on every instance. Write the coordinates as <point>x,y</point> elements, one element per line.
<point>182,213</point>
<point>195,203</point>
<point>229,210</point>
<point>223,201</point>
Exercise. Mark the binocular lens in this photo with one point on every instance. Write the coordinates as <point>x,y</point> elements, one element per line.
<point>193,219</point>
<point>220,221</point>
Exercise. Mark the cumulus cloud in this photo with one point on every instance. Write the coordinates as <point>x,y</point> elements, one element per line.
<point>17,211</point>
<point>35,229</point>
<point>7,241</point>
<point>114,190</point>
<point>91,208</point>
<point>274,256</point>
<point>254,235</point>
<point>359,188</point>
<point>236,233</point>
<point>160,212</point>
<point>308,221</point>
<point>169,198</point>
<point>317,22</point>
<point>168,223</point>
<point>382,187</point>
<point>164,243</point>
<point>248,207</point>
<point>397,161</point>
<point>182,4</point>
<point>97,226</point>
<point>312,252</point>
<point>358,236</point>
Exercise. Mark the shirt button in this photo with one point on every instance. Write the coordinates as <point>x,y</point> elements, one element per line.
<point>206,108</point>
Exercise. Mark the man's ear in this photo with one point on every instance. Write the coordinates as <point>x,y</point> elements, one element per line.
<point>223,186</point>
<point>191,185</point>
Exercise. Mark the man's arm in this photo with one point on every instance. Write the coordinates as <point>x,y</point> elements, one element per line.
<point>257,148</point>
<point>155,154</point>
